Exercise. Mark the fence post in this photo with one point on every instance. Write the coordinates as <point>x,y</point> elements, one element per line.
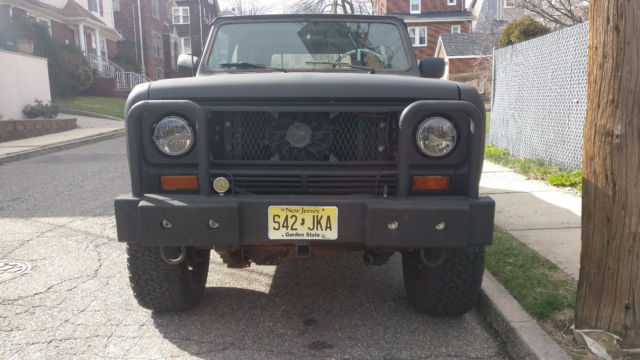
<point>493,76</point>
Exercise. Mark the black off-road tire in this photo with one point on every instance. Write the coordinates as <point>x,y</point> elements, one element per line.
<point>448,284</point>
<point>162,287</point>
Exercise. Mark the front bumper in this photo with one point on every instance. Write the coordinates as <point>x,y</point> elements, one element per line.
<point>363,220</point>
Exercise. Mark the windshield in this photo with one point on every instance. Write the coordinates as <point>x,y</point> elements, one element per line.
<point>310,45</point>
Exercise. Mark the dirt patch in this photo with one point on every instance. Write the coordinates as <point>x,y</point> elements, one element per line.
<point>558,326</point>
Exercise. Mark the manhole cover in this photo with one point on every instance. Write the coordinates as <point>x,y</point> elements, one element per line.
<point>10,269</point>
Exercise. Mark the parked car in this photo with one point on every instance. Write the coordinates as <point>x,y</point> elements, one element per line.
<point>302,136</point>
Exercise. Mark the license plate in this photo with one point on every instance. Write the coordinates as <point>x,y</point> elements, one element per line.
<point>303,222</point>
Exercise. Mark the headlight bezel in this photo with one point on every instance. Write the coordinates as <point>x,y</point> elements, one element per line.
<point>192,133</point>
<point>417,133</point>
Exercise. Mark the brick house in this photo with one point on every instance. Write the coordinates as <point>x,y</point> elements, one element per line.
<point>428,19</point>
<point>468,58</point>
<point>87,24</point>
<point>156,31</point>
<point>194,34</point>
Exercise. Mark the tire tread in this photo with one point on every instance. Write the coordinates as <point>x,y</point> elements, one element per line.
<point>449,289</point>
<point>159,286</point>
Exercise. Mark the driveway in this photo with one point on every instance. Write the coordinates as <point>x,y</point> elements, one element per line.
<point>56,215</point>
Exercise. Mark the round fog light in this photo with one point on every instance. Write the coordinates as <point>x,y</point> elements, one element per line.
<point>220,185</point>
<point>173,136</point>
<point>441,226</point>
<point>436,136</point>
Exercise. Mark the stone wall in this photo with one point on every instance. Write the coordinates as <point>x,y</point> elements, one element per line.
<point>20,129</point>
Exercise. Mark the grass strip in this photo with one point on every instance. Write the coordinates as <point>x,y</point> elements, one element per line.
<point>488,121</point>
<point>539,285</point>
<point>97,104</point>
<point>535,168</point>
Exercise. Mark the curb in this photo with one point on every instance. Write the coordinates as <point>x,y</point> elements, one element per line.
<point>87,113</point>
<point>61,146</point>
<point>523,337</point>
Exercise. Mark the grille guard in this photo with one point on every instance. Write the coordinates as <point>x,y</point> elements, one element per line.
<point>407,151</point>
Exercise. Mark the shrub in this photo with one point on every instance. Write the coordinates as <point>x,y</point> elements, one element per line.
<point>40,109</point>
<point>69,71</point>
<point>522,29</point>
<point>128,61</point>
<point>572,179</point>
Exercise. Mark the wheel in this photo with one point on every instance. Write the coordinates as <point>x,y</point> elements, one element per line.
<point>163,287</point>
<point>443,282</point>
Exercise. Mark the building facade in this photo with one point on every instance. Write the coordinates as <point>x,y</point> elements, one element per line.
<point>468,58</point>
<point>87,24</point>
<point>491,16</point>
<point>428,19</point>
<point>157,31</point>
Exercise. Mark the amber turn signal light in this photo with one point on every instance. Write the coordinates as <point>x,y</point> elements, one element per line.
<point>430,183</point>
<point>181,182</point>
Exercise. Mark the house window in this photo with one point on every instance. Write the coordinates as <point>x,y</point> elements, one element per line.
<point>115,4</point>
<point>95,6</point>
<point>181,15</point>
<point>94,44</point>
<point>156,44</point>
<point>418,35</point>
<point>168,8</point>
<point>173,45</point>
<point>159,73</point>
<point>451,2</point>
<point>41,21</point>
<point>185,45</point>
<point>155,9</point>
<point>414,6</point>
<point>103,48</point>
<point>508,3</point>
<point>455,29</point>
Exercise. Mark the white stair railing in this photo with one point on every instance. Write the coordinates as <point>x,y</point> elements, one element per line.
<point>125,80</point>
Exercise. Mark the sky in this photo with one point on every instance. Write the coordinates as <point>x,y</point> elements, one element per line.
<point>273,6</point>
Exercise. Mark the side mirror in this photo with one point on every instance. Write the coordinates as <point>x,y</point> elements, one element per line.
<point>187,64</point>
<point>432,67</point>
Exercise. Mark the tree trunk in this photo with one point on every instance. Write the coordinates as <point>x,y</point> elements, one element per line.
<point>609,285</point>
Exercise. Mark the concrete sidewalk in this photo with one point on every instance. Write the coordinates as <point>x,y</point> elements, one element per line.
<point>89,128</point>
<point>543,217</point>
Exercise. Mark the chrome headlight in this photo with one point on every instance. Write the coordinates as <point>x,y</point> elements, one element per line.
<point>436,136</point>
<point>173,136</point>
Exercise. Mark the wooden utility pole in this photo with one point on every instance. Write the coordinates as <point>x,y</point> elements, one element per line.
<point>609,285</point>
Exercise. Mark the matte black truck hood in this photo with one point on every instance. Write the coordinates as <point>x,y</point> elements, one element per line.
<point>304,85</point>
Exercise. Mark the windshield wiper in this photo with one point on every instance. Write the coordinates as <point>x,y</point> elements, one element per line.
<point>371,70</point>
<point>247,65</point>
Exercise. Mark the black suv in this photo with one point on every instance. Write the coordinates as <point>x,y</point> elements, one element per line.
<point>303,136</point>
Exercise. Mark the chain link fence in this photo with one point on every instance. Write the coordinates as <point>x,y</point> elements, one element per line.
<point>539,97</point>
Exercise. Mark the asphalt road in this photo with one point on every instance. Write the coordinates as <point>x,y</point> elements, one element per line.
<point>56,212</point>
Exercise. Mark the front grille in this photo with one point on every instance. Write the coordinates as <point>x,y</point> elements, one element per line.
<point>304,136</point>
<point>329,184</point>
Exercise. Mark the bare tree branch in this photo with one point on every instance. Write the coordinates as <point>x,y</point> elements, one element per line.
<point>562,13</point>
<point>333,7</point>
<point>248,7</point>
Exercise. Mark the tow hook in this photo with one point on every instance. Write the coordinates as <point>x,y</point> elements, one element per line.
<point>437,262</point>
<point>174,261</point>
